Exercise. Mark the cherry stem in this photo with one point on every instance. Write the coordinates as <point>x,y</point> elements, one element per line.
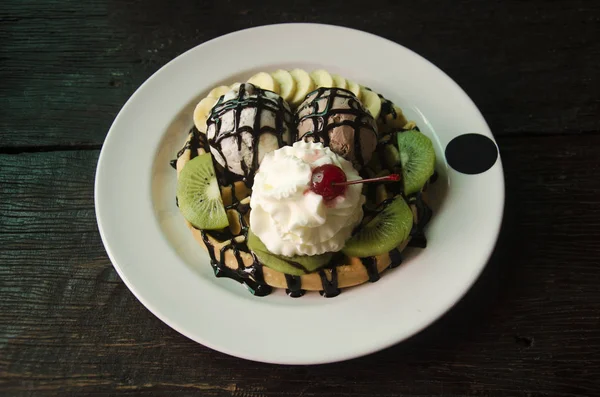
<point>389,178</point>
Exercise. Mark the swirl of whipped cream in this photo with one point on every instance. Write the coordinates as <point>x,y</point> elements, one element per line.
<point>292,220</point>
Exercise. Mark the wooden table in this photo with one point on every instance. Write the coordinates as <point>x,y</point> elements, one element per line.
<point>70,327</point>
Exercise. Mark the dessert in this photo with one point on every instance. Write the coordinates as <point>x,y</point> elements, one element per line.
<point>337,118</point>
<point>303,181</point>
<point>244,125</point>
<point>289,216</point>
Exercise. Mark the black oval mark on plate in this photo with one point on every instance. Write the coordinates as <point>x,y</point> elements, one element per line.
<point>471,153</point>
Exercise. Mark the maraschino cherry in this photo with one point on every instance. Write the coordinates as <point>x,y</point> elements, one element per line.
<point>324,181</point>
<point>330,181</point>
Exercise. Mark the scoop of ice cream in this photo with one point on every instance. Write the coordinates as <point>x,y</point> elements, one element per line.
<point>336,117</point>
<point>291,219</point>
<point>244,125</point>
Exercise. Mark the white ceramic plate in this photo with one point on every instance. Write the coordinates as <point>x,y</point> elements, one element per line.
<point>159,261</point>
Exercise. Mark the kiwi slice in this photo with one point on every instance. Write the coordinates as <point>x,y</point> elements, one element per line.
<point>294,265</point>
<point>384,232</point>
<point>391,156</point>
<point>199,196</point>
<point>417,158</point>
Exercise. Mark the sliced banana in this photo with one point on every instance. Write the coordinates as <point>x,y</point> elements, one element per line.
<point>354,87</point>
<point>294,86</point>
<point>391,122</point>
<point>410,125</point>
<point>202,111</point>
<point>304,85</point>
<point>265,81</point>
<point>400,119</point>
<point>371,101</point>
<point>287,85</point>
<point>339,81</point>
<point>322,78</point>
<point>218,91</point>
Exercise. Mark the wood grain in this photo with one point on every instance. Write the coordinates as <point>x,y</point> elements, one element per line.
<point>529,327</point>
<point>67,67</point>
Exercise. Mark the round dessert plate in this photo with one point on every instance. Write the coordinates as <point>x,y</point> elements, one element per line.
<point>158,259</point>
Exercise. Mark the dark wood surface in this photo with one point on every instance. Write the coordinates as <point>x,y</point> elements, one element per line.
<point>529,327</point>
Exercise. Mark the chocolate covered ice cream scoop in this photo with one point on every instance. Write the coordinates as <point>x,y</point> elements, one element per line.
<point>336,117</point>
<point>244,125</point>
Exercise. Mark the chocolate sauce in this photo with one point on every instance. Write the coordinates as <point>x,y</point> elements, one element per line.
<point>243,208</point>
<point>370,263</point>
<point>424,214</point>
<point>320,120</point>
<point>260,102</point>
<point>387,108</point>
<point>418,241</point>
<point>395,258</point>
<point>434,177</point>
<point>330,285</point>
<point>294,286</point>
<point>221,235</point>
<point>251,276</point>
<point>298,266</point>
<point>196,140</point>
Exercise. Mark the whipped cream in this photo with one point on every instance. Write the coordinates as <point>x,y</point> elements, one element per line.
<point>292,220</point>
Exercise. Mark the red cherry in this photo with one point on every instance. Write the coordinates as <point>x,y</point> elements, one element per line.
<point>329,181</point>
<point>324,181</point>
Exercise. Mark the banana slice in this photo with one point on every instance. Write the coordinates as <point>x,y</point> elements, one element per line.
<point>202,111</point>
<point>400,119</point>
<point>410,125</point>
<point>339,81</point>
<point>371,101</point>
<point>218,91</point>
<point>392,121</point>
<point>322,78</point>
<point>287,85</point>
<point>304,85</point>
<point>354,87</point>
<point>265,81</point>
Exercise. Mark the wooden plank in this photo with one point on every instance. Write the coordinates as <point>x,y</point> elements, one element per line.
<point>69,327</point>
<point>67,67</point>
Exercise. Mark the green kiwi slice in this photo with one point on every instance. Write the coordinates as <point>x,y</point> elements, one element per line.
<point>294,265</point>
<point>384,232</point>
<point>199,196</point>
<point>391,156</point>
<point>417,158</point>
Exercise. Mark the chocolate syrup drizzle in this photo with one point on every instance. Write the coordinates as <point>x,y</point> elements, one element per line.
<point>370,263</point>
<point>330,285</point>
<point>387,108</point>
<point>424,214</point>
<point>196,141</point>
<point>395,258</point>
<point>294,286</point>
<point>252,276</point>
<point>320,120</point>
<point>260,102</point>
